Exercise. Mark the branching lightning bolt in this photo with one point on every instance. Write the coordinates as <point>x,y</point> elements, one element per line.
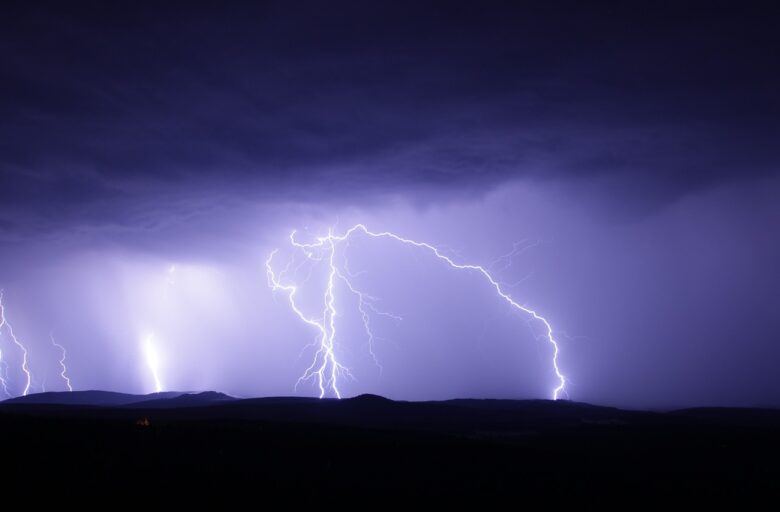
<point>64,372</point>
<point>325,367</point>
<point>10,331</point>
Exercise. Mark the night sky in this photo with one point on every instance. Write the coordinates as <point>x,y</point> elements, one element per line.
<point>153,154</point>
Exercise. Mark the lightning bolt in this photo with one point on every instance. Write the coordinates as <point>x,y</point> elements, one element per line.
<point>325,368</point>
<point>10,331</point>
<point>148,345</point>
<point>152,361</point>
<point>64,372</point>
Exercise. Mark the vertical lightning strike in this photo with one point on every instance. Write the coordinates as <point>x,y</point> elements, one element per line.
<point>328,330</point>
<point>330,311</point>
<point>324,368</point>
<point>152,361</point>
<point>10,330</point>
<point>64,372</point>
<point>148,346</point>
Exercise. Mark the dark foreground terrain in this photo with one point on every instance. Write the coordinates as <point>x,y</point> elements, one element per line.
<point>197,445</point>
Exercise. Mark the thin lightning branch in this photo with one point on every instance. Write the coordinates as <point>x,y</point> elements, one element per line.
<point>325,367</point>
<point>10,330</point>
<point>505,261</point>
<point>64,372</point>
<point>365,301</point>
<point>521,281</point>
<point>4,375</point>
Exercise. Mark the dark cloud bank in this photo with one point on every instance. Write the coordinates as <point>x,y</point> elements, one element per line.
<point>130,98</point>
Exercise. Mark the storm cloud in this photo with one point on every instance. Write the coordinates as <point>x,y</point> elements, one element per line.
<point>134,99</point>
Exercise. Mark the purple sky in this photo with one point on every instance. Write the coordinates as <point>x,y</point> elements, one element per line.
<point>632,150</point>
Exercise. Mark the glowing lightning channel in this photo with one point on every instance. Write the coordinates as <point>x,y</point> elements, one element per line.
<point>10,330</point>
<point>325,367</point>
<point>152,361</point>
<point>148,345</point>
<point>64,372</point>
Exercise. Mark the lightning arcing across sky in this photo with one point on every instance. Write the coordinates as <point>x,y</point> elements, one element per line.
<point>64,372</point>
<point>326,367</point>
<point>10,331</point>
